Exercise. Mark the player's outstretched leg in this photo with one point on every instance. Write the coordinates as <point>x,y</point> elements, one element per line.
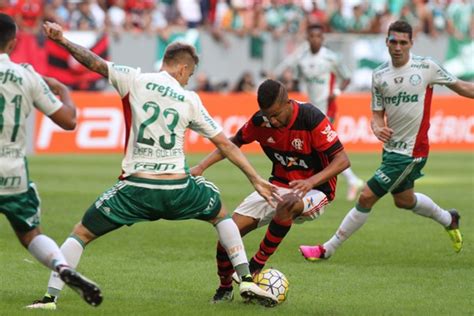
<point>72,249</point>
<point>87,289</point>
<point>426,207</point>
<point>354,220</point>
<point>48,302</point>
<point>313,253</point>
<point>454,232</point>
<point>229,237</point>
<point>251,292</point>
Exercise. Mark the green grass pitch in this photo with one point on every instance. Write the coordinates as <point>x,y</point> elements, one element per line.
<point>397,264</point>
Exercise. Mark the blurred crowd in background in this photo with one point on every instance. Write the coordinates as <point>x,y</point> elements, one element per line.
<point>243,17</point>
<point>246,18</point>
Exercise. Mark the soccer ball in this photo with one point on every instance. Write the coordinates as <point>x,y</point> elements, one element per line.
<point>273,281</point>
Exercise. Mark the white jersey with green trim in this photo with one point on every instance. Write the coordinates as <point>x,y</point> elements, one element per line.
<point>157,111</point>
<point>320,74</point>
<point>404,93</point>
<point>21,90</point>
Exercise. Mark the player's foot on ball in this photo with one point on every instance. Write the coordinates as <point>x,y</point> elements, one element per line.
<point>313,253</point>
<point>454,232</point>
<point>48,302</point>
<point>251,292</point>
<point>354,189</point>
<point>87,289</point>
<point>236,278</point>
<point>223,294</point>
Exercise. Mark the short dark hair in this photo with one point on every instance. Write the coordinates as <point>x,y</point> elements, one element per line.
<point>270,92</point>
<point>400,27</point>
<point>7,30</point>
<point>178,51</point>
<point>315,27</point>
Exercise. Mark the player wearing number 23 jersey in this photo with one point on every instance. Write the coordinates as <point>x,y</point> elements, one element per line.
<point>155,182</point>
<point>162,110</point>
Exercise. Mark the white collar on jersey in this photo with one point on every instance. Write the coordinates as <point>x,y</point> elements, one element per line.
<point>4,57</point>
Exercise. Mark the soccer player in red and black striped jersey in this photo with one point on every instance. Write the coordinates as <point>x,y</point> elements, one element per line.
<point>306,155</point>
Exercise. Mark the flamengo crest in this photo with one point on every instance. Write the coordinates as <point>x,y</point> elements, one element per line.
<point>297,144</point>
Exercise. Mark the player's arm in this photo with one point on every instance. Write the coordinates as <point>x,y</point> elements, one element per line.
<point>233,153</point>
<point>211,159</point>
<point>377,123</point>
<point>340,162</point>
<point>380,129</point>
<point>463,88</point>
<point>65,117</point>
<point>87,58</point>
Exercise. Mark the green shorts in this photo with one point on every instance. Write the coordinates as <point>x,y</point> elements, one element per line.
<point>396,174</point>
<point>136,199</point>
<point>22,210</point>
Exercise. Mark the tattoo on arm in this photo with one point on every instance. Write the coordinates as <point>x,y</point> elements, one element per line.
<point>87,58</point>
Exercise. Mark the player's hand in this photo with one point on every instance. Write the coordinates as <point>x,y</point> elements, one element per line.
<point>54,31</point>
<point>383,133</point>
<point>55,86</point>
<point>301,187</point>
<point>196,171</point>
<point>268,191</point>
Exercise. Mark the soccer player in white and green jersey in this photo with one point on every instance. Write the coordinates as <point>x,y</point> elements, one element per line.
<point>155,182</point>
<point>21,91</point>
<point>401,101</point>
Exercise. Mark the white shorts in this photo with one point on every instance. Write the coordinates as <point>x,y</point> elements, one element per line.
<point>257,207</point>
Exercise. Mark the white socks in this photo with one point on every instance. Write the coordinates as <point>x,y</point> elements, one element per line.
<point>350,224</point>
<point>426,207</point>
<point>350,176</point>
<point>230,239</point>
<point>46,251</point>
<point>72,250</point>
<point>355,219</point>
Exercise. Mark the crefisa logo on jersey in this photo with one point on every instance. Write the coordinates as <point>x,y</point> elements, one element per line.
<point>297,144</point>
<point>415,79</point>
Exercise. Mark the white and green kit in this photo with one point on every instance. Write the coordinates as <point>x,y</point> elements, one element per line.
<point>404,93</point>
<point>157,111</point>
<point>21,90</point>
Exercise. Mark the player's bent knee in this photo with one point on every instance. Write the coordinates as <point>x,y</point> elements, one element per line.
<point>290,207</point>
<point>367,199</point>
<point>245,224</point>
<point>25,238</point>
<point>220,216</point>
<point>405,204</point>
<point>83,233</point>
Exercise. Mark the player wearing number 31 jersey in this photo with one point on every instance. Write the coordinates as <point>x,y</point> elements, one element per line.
<point>22,90</point>
<point>155,183</point>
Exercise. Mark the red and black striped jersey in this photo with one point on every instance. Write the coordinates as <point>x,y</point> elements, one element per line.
<point>298,151</point>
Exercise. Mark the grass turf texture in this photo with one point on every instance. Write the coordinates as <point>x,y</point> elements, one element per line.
<point>398,263</point>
